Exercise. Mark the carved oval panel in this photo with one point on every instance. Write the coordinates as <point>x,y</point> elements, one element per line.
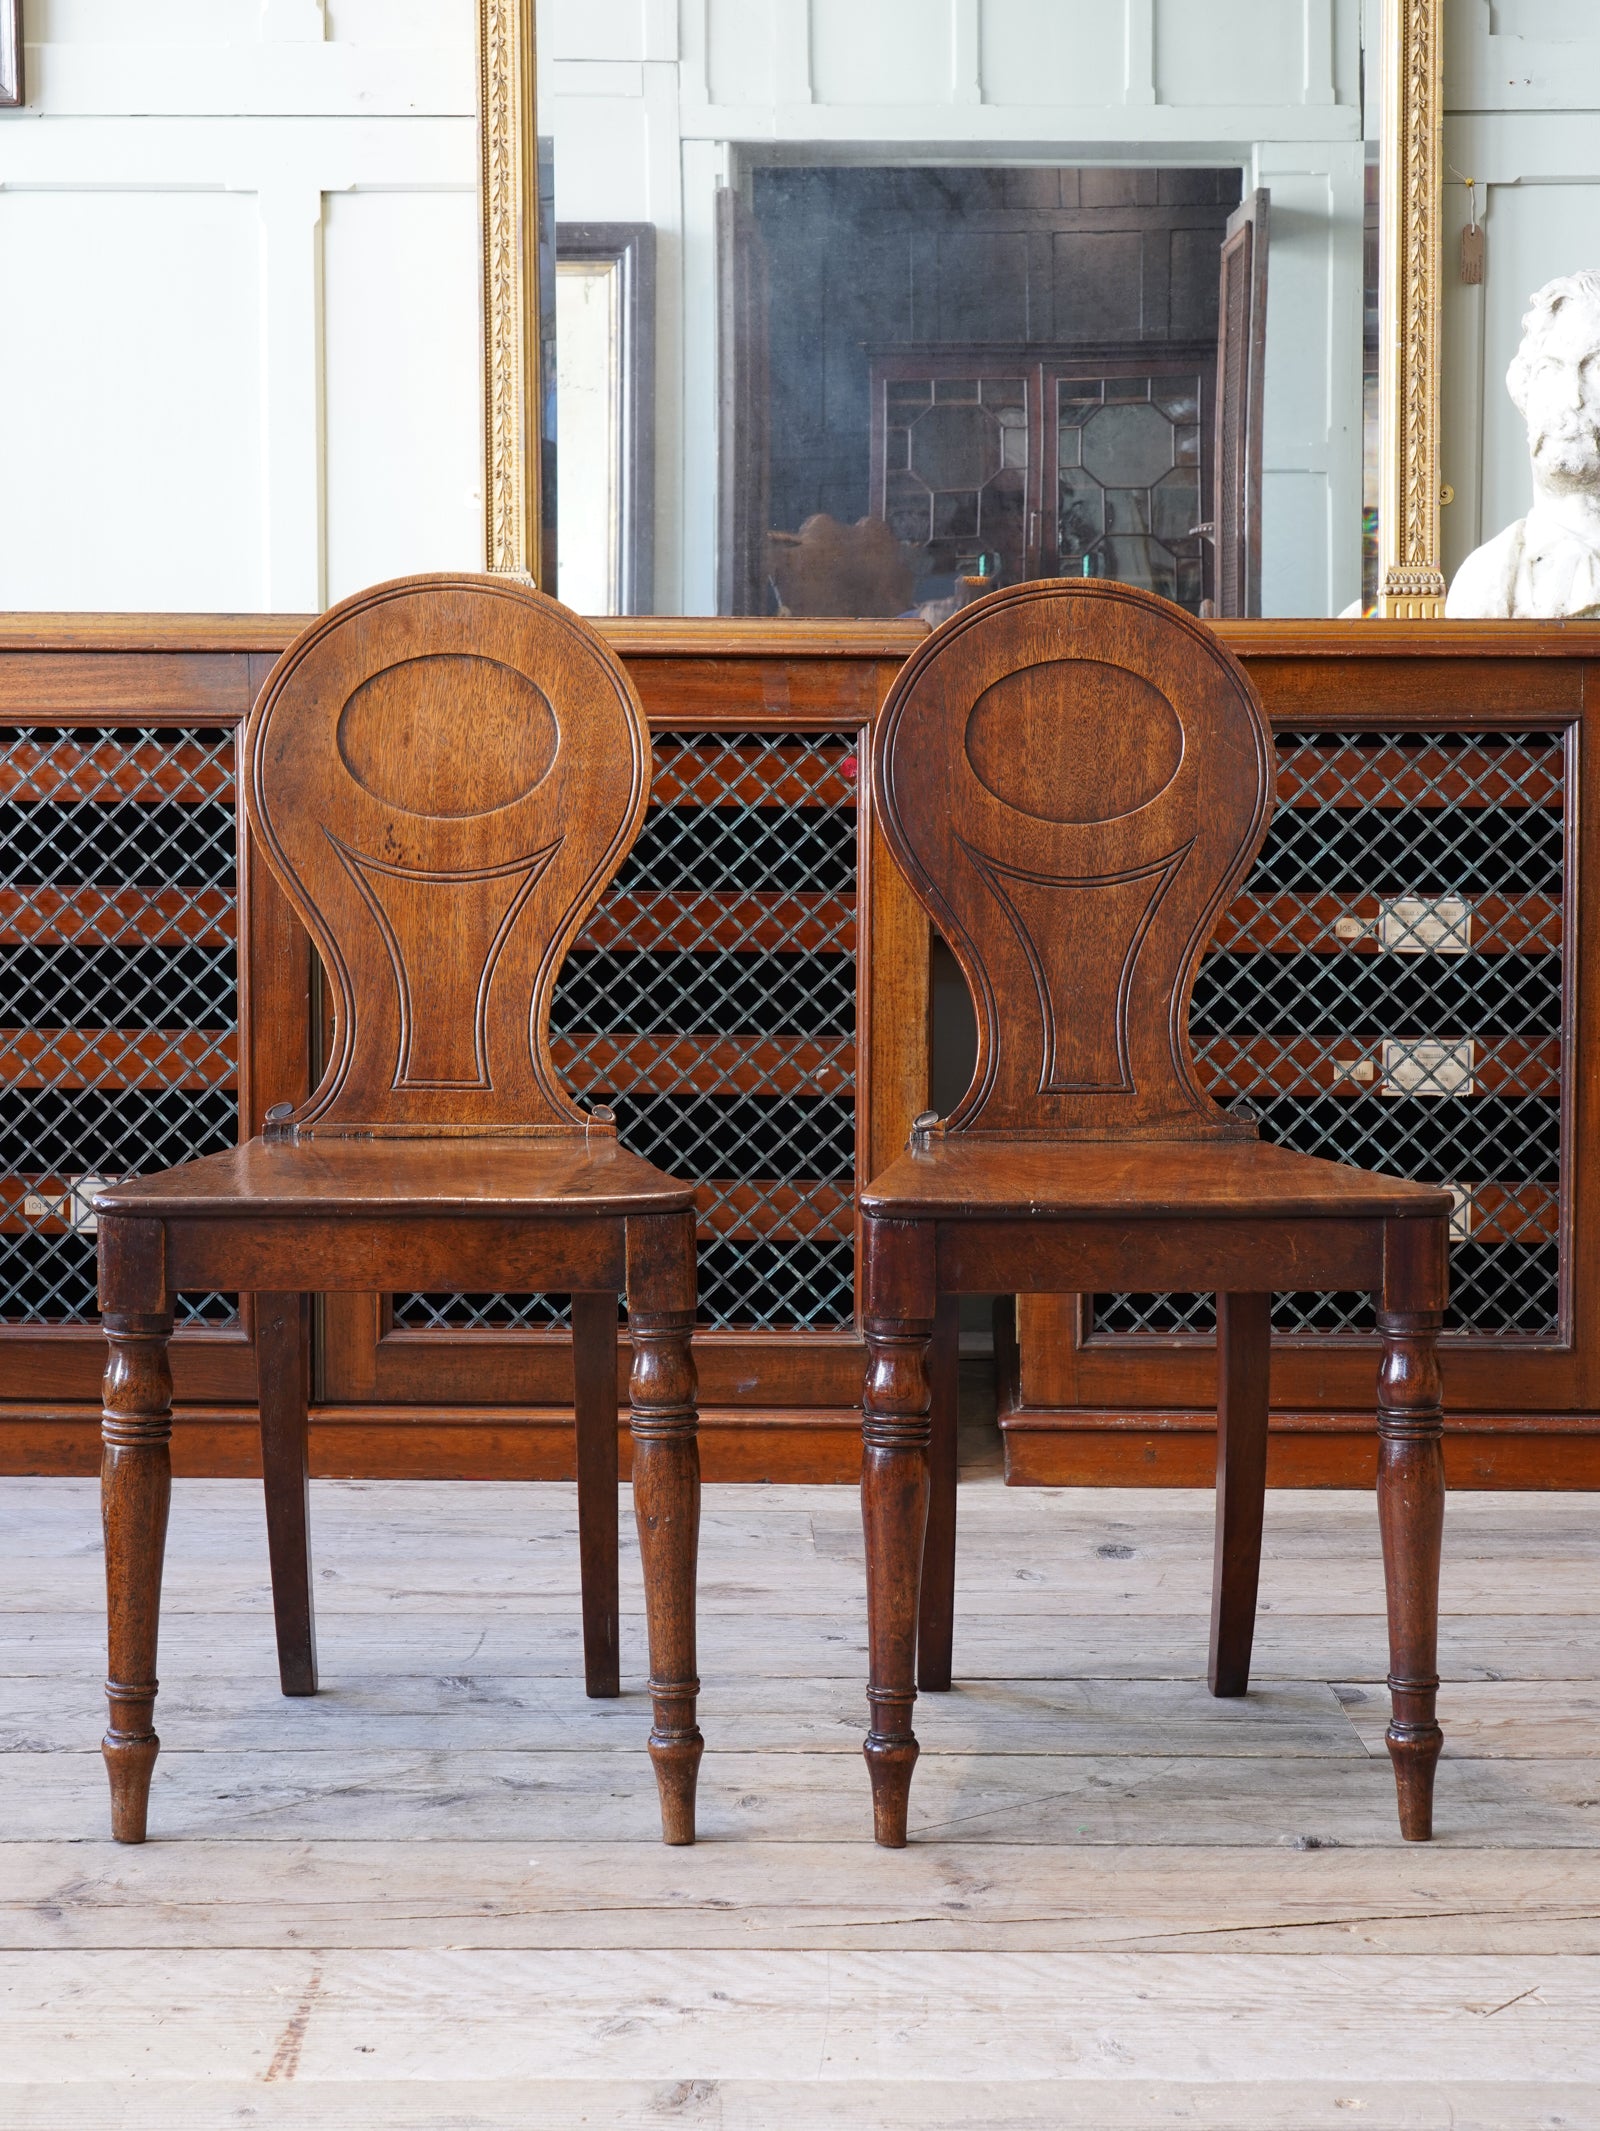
<point>448,736</point>
<point>1074,740</point>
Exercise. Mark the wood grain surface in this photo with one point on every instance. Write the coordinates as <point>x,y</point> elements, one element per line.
<point>435,1894</point>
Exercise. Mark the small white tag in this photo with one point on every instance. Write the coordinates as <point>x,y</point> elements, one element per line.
<point>1350,928</point>
<point>1424,1068</point>
<point>77,1209</point>
<point>1415,925</point>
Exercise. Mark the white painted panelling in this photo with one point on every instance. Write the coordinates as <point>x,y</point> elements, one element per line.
<point>1230,52</point>
<point>882,51</point>
<point>592,29</point>
<point>1550,21</point>
<point>167,22</point>
<point>404,486</point>
<point>601,149</point>
<point>131,369</point>
<point>287,79</point>
<point>1535,55</point>
<point>381,22</point>
<point>1072,53</point>
<point>740,41</point>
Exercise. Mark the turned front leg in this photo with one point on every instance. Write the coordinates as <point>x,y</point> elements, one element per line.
<point>1411,1505</point>
<point>896,1432</point>
<point>666,1497</point>
<point>135,1492</point>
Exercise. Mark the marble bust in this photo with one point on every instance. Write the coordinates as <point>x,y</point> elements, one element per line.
<point>1548,564</point>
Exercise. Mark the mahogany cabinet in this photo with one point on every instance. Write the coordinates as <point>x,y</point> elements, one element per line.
<point>724,1001</point>
<point>1400,982</point>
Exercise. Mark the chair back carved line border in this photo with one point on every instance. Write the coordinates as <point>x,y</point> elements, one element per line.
<point>442,884</point>
<point>1110,782</point>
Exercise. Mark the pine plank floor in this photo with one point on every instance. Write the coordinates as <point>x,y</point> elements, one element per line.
<point>433,1897</point>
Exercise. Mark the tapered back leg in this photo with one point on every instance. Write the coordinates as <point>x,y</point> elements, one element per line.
<point>1244,1348</point>
<point>281,1361</point>
<point>594,1363</point>
<point>936,1608</point>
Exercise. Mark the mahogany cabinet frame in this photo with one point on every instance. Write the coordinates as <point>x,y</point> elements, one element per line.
<point>1521,1411</point>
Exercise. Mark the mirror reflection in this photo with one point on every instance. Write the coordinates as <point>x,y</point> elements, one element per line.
<point>939,312</point>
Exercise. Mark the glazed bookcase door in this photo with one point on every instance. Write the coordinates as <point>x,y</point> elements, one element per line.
<point>1063,462</point>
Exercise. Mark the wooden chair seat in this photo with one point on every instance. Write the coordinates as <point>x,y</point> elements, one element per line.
<point>405,1180</point>
<point>1075,778</point>
<point>445,774</point>
<point>1134,1180</point>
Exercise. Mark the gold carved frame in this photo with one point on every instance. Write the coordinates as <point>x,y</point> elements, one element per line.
<point>1410,581</point>
<point>508,161</point>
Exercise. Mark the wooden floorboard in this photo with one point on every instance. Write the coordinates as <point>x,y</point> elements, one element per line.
<point>1086,2104</point>
<point>434,1897</point>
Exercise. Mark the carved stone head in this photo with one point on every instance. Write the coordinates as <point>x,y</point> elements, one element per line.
<point>1554,381</point>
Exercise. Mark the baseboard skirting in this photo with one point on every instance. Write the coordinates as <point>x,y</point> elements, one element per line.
<point>1153,1448</point>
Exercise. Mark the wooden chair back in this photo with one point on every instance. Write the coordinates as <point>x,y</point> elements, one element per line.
<point>1075,777</point>
<point>444,774</point>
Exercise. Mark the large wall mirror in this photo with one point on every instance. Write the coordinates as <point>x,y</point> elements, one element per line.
<point>950,293</point>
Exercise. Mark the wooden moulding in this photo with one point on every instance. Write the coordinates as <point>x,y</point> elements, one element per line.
<point>820,1444</point>
<point>1150,1446</point>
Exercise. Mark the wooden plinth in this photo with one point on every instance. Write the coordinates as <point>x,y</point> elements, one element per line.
<point>1168,1449</point>
<point>440,1443</point>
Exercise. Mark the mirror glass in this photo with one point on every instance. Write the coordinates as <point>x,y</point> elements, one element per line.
<point>867,308</point>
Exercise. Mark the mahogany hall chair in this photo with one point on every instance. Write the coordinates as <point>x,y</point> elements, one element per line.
<point>444,773</point>
<point>1075,778</point>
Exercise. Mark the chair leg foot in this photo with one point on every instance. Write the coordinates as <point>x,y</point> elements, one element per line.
<point>890,1762</point>
<point>1414,1751</point>
<point>675,1757</point>
<point>130,1760</point>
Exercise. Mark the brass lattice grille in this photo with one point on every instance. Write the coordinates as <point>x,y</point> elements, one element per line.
<point>118,992</point>
<point>1387,992</point>
<point>711,1003</point>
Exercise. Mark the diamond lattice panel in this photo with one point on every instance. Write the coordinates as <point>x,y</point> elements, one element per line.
<point>118,916</point>
<point>711,1003</point>
<point>1387,992</point>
